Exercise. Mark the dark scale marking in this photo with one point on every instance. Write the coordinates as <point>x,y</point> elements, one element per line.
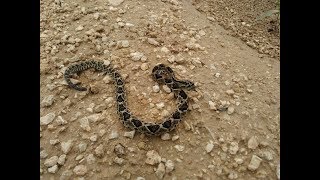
<point>169,69</point>
<point>120,99</point>
<point>158,76</point>
<point>153,128</point>
<point>183,94</point>
<point>176,115</point>
<point>167,124</point>
<point>121,107</point>
<point>119,82</point>
<point>168,81</point>
<point>120,90</point>
<point>136,123</point>
<point>183,107</point>
<point>126,116</point>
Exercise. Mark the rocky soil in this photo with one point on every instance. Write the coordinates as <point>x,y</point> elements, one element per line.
<point>233,128</point>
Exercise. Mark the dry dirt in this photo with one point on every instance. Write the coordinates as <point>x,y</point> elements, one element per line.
<point>235,136</point>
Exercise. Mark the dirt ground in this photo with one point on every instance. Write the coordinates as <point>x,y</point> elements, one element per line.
<point>232,130</point>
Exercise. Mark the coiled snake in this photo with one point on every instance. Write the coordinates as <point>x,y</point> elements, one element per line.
<point>161,74</point>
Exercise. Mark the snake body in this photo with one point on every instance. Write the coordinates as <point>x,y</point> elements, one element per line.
<point>161,74</point>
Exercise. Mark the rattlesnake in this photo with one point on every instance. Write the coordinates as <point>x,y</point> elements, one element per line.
<point>161,74</point>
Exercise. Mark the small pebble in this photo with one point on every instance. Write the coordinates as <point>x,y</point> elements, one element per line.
<point>212,105</point>
<point>79,157</point>
<point>175,137</point>
<point>54,141</point>
<point>249,90</point>
<point>165,50</point>
<point>82,147</point>
<point>99,150</point>
<point>79,28</point>
<point>47,101</point>
<point>160,105</point>
<point>238,160</point>
<point>91,159</point>
<point>51,161</point>
<point>169,166</point>
<point>153,42</point>
<point>144,66</point>
<point>230,92</point>
<point>53,169</point>
<point>153,157</point>
<point>233,175</point>
<point>230,110</point>
<point>119,161</point>
<point>156,88</point>
<point>165,136</point>
<point>160,171</point>
<point>113,135</point>
<point>254,163</point>
<point>140,178</point>
<point>61,121</point>
<point>129,134</point>
<point>62,159</point>
<point>66,146</point>
<point>47,119</point>
<point>209,147</point>
<point>233,149</point>
<point>217,75</point>
<point>136,56</point>
<point>119,149</point>
<point>179,147</point>
<point>43,154</point>
<point>253,143</point>
<point>80,170</point>
<point>93,138</point>
<point>115,2</point>
<point>84,124</point>
<point>166,89</point>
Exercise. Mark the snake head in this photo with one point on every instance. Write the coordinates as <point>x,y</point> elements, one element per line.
<point>190,85</point>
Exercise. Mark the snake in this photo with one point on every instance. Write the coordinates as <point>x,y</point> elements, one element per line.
<point>161,73</point>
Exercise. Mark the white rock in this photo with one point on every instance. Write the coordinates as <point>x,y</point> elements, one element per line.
<point>175,137</point>
<point>53,169</point>
<point>212,105</point>
<point>253,143</point>
<point>153,157</point>
<point>47,119</point>
<point>166,89</point>
<point>107,79</point>
<point>169,166</point>
<point>51,161</point>
<point>65,175</point>
<point>160,171</point>
<point>233,149</point>
<point>160,105</point>
<point>96,15</point>
<point>144,66</point>
<point>156,88</point>
<point>79,28</point>
<point>136,56</point>
<point>66,146</point>
<point>217,75</point>
<point>179,147</point>
<point>91,159</point>
<point>82,147</point>
<point>79,157</point>
<point>165,136</point>
<point>125,43</point>
<point>80,170</point>
<point>84,124</point>
<point>47,101</point>
<point>230,110</point>
<point>99,150</point>
<point>93,138</point>
<point>209,147</point>
<point>61,121</point>
<point>54,141</point>
<point>153,42</point>
<point>115,2</point>
<point>43,154</point>
<point>129,134</point>
<point>113,135</point>
<point>62,159</point>
<point>230,92</point>
<point>254,163</point>
<point>119,161</point>
<point>238,160</point>
<point>94,117</point>
<point>165,50</point>
<point>267,155</point>
<point>140,178</point>
<point>202,33</point>
<point>233,175</point>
